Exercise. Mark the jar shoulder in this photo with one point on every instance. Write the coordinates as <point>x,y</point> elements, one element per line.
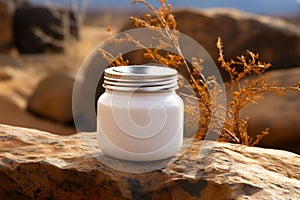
<point>144,99</point>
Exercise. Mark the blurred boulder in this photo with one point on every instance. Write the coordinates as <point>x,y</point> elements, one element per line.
<point>280,114</point>
<point>18,3</point>
<point>52,98</point>
<point>5,76</point>
<point>13,114</point>
<point>6,26</point>
<point>277,41</point>
<point>44,29</point>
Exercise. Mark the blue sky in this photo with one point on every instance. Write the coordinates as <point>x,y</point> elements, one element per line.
<point>255,6</point>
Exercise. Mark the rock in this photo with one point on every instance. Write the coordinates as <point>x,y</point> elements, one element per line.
<point>6,27</point>
<point>41,29</point>
<point>53,98</point>
<point>4,76</point>
<point>12,114</point>
<point>277,41</point>
<point>280,114</point>
<point>39,165</point>
<point>18,3</point>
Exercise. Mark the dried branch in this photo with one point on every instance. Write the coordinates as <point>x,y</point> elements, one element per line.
<point>208,91</point>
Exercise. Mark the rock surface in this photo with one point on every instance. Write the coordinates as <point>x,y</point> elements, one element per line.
<point>280,114</point>
<point>39,165</point>
<point>277,41</point>
<point>53,98</point>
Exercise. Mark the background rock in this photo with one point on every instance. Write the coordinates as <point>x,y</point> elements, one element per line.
<point>52,98</point>
<point>39,165</point>
<point>280,114</point>
<point>18,3</point>
<point>4,76</point>
<point>27,71</point>
<point>49,21</point>
<point>6,27</point>
<point>276,41</point>
<point>12,114</point>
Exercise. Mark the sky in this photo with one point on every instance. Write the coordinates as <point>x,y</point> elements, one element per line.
<point>285,7</point>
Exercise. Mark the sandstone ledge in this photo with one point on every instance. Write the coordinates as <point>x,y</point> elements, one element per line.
<point>39,165</point>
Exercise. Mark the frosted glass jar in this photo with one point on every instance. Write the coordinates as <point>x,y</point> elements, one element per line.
<point>140,117</point>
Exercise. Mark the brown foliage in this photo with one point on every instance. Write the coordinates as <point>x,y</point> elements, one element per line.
<point>241,93</point>
<point>208,91</point>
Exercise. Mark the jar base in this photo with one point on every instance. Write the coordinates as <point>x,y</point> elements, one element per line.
<point>166,152</point>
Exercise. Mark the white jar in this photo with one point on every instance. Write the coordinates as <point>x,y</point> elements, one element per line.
<point>140,117</point>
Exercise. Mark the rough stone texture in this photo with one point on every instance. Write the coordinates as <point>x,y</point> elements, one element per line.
<point>6,27</point>
<point>38,165</point>
<point>53,98</point>
<point>280,114</point>
<point>276,41</point>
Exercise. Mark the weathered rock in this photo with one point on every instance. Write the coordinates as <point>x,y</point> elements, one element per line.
<point>6,27</point>
<point>12,114</point>
<point>280,114</point>
<point>38,165</point>
<point>42,29</point>
<point>276,41</point>
<point>53,98</point>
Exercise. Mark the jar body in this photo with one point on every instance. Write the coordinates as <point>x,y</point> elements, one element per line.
<point>140,126</point>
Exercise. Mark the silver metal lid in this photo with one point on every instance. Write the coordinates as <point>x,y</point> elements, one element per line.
<point>140,78</point>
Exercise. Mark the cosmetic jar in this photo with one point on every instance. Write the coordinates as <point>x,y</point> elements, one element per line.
<point>140,116</point>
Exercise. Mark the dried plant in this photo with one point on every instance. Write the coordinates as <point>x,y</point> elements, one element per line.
<point>207,113</point>
<point>242,93</point>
